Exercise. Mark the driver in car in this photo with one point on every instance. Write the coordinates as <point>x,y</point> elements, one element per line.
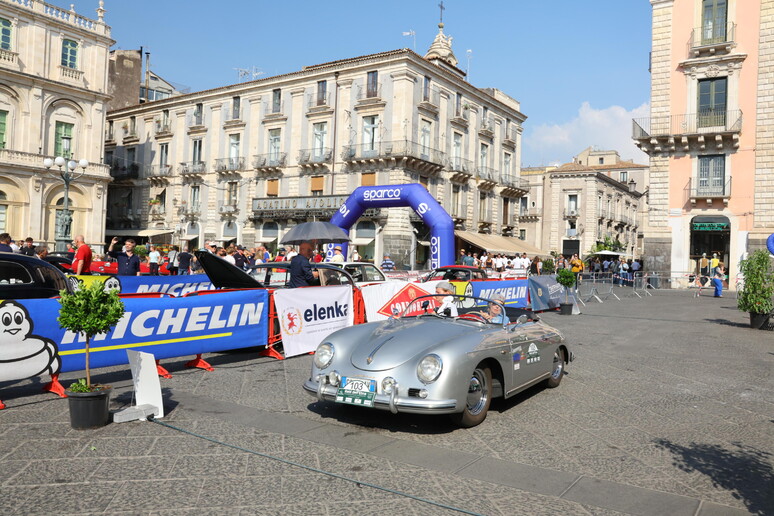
<point>445,292</point>
<point>495,314</point>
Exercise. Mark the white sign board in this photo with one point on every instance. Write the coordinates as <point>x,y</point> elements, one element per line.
<point>147,387</point>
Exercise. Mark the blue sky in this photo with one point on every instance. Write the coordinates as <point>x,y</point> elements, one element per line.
<point>578,68</point>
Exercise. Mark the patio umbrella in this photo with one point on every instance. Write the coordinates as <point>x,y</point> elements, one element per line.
<point>608,253</point>
<point>320,232</point>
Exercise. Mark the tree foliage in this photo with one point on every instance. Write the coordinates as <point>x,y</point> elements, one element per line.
<point>608,244</point>
<point>756,295</point>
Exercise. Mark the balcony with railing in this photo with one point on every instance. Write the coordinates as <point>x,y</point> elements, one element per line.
<point>461,116</point>
<point>163,129</point>
<point>487,175</point>
<point>229,165</point>
<point>229,209</point>
<point>514,185</point>
<point>270,163</point>
<point>712,39</point>
<point>157,212</point>
<point>460,168</point>
<point>459,212</point>
<point>369,95</point>
<point>196,123</point>
<point>509,140</point>
<point>486,128</point>
<point>709,190</point>
<point>9,58</point>
<point>529,214</point>
<point>314,159</point>
<point>318,103</point>
<point>419,157</point>
<point>159,171</point>
<point>191,211</point>
<point>193,168</point>
<point>485,217</point>
<point>121,169</point>
<point>72,74</point>
<point>233,117</point>
<point>431,100</point>
<point>709,129</point>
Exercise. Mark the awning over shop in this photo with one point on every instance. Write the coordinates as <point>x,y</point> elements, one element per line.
<point>138,232</point>
<point>362,242</point>
<point>499,244</point>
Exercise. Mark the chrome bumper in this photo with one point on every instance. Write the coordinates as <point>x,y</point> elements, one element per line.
<point>395,403</point>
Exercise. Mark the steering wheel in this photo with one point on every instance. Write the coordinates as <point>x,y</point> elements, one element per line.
<point>474,316</point>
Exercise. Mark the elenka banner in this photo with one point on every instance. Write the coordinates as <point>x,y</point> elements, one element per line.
<point>33,344</point>
<point>308,315</point>
<point>173,285</point>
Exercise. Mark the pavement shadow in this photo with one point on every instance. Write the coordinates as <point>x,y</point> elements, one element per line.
<point>397,423</point>
<point>746,472</point>
<point>726,322</point>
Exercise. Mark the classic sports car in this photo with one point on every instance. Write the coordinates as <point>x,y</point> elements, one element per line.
<point>364,273</point>
<point>29,277</point>
<point>456,273</point>
<point>102,267</point>
<point>423,362</point>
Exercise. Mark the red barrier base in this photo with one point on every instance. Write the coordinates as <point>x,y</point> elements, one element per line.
<point>271,353</point>
<point>161,371</point>
<point>201,364</point>
<point>2,405</point>
<point>54,386</point>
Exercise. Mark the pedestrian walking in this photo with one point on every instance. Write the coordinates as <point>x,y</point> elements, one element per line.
<point>172,261</point>
<point>154,258</point>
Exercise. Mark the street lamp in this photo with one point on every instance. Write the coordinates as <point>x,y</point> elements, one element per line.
<point>68,173</point>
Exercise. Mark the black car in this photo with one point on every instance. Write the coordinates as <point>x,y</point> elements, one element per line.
<point>28,277</point>
<point>62,263</point>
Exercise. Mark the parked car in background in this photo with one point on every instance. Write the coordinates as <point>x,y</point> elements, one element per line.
<point>29,277</point>
<point>362,272</point>
<point>424,362</point>
<point>62,263</point>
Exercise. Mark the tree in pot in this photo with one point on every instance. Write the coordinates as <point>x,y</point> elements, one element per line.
<point>89,311</point>
<point>756,295</point>
<point>566,278</point>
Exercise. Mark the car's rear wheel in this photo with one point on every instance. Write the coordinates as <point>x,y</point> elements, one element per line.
<point>558,369</point>
<point>478,398</point>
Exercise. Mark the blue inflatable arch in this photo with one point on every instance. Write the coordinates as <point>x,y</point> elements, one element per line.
<point>393,196</point>
<point>770,243</point>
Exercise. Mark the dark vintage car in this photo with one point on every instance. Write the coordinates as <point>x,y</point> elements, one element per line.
<point>28,277</point>
<point>63,263</point>
<point>456,273</point>
<point>265,275</point>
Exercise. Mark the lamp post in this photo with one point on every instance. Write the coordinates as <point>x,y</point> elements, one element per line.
<point>68,173</point>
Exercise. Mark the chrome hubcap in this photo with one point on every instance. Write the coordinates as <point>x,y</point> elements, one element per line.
<point>558,366</point>
<point>477,392</point>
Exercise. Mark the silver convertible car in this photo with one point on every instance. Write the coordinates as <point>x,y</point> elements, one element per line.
<point>430,361</point>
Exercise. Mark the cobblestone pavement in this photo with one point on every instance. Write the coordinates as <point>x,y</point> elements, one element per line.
<point>668,409</point>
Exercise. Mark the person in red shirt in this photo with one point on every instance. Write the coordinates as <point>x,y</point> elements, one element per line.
<point>82,260</point>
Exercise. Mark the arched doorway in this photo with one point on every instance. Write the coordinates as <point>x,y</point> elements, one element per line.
<point>711,234</point>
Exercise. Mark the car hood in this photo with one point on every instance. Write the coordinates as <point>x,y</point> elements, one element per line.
<point>395,342</point>
<point>222,274</point>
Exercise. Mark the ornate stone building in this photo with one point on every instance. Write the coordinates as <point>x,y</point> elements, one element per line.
<point>709,136</point>
<point>248,161</point>
<point>53,91</point>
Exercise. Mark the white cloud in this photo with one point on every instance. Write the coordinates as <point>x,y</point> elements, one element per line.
<point>606,129</point>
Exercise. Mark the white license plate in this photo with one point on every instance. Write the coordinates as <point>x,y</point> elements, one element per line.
<point>356,391</point>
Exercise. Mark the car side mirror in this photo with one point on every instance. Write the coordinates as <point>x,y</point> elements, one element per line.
<point>522,319</point>
<point>425,304</point>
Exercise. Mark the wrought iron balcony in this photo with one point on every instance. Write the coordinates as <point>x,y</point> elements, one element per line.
<point>369,92</point>
<point>193,168</point>
<point>461,116</point>
<point>228,209</point>
<point>318,101</point>
<point>488,175</point>
<point>532,213</point>
<point>191,211</point>
<point>431,100</point>
<point>196,120</point>
<point>486,128</point>
<point>233,116</point>
<point>513,184</point>
<point>461,168</point>
<point>485,217</point>
<point>163,128</point>
<point>459,212</point>
<point>423,158</point>
<point>272,162</point>
<point>225,165</point>
<point>715,129</point>
<point>709,189</point>
<point>314,158</point>
<point>159,171</point>
<point>712,38</point>
<point>121,169</point>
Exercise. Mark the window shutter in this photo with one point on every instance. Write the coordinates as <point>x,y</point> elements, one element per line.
<point>368,179</point>
<point>272,188</point>
<point>317,183</point>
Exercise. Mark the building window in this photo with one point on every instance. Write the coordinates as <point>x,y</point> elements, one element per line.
<point>712,102</point>
<point>3,128</point>
<point>270,231</point>
<point>110,131</point>
<point>232,193</point>
<point>234,141</point>
<point>272,188</point>
<point>274,145</point>
<point>424,138</point>
<point>506,210</point>
<point>485,114</point>
<point>370,132</point>
<point>456,150</point>
<point>624,176</point>
<point>198,114</point>
<point>483,205</point>
<point>69,53</point>
<point>194,197</point>
<point>572,204</point>
<point>5,34</point>
<point>712,175</point>
<point>322,93</point>
<point>165,120</point>
<point>317,185</point>
<point>507,165</point>
<point>236,108</point>
<point>320,140</point>
<point>483,156</point>
<point>132,125</point>
<point>455,199</point>
<point>458,104</point>
<point>523,201</point>
<point>196,157</point>
<point>163,155</point>
<point>276,100</point>
<point>522,234</point>
<point>368,179</point>
<point>713,21</point>
<point>426,90</point>
<point>63,135</point>
<point>372,86</point>
<point>424,181</point>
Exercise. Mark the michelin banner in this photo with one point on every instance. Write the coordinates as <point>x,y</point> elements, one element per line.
<point>172,285</point>
<point>308,315</point>
<point>514,291</point>
<point>34,344</point>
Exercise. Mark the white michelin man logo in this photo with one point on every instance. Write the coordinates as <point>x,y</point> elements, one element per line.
<point>23,354</point>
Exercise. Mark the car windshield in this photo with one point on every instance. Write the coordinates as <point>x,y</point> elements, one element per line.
<point>469,308</point>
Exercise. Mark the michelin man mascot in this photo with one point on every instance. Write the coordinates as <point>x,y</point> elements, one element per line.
<point>22,354</point>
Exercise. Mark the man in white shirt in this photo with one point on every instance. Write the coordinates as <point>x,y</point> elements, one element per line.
<point>337,256</point>
<point>291,252</point>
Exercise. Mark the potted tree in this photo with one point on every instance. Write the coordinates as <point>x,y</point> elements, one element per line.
<point>756,295</point>
<point>90,311</point>
<point>566,278</point>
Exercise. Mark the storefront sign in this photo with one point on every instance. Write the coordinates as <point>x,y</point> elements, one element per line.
<point>710,226</point>
<point>301,207</point>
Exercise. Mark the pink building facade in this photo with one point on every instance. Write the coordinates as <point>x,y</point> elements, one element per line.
<point>710,136</point>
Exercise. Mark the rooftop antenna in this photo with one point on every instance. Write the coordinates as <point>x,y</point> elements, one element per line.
<point>469,52</point>
<point>242,74</point>
<point>411,32</point>
<point>246,74</point>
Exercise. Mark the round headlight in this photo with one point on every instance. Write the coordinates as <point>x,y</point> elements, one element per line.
<point>388,384</point>
<point>324,355</point>
<point>429,368</point>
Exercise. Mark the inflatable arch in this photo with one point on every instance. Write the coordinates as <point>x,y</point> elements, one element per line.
<point>770,243</point>
<point>393,196</point>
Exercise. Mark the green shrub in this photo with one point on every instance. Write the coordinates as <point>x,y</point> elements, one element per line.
<point>756,296</point>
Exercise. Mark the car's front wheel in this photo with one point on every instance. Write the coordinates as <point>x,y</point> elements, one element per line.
<point>558,369</point>
<point>478,398</point>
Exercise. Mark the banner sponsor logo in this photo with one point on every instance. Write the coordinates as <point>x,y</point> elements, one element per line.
<point>422,208</point>
<point>400,301</point>
<point>292,322</point>
<point>435,252</point>
<point>387,193</point>
<point>22,353</point>
<point>514,291</point>
<point>506,292</point>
